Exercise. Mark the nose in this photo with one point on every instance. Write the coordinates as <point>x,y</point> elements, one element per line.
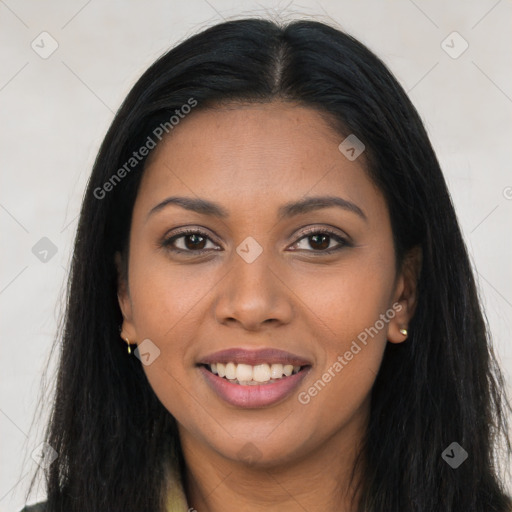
<point>253,295</point>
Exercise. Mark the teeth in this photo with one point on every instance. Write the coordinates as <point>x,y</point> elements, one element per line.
<point>276,371</point>
<point>244,372</point>
<point>230,371</point>
<point>253,375</point>
<point>261,373</point>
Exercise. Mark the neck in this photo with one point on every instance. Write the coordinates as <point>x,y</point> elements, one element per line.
<point>319,480</point>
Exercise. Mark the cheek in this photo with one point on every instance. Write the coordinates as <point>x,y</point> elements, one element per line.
<point>349,359</point>
<point>167,297</point>
<point>166,309</point>
<point>347,299</point>
<point>346,306</point>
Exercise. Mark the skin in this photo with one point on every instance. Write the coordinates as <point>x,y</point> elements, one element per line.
<point>251,159</point>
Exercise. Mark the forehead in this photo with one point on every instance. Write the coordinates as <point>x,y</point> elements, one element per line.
<point>254,152</point>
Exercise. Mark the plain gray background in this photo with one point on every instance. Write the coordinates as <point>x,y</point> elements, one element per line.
<point>56,110</point>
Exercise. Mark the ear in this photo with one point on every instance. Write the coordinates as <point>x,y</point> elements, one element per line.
<point>125,303</point>
<point>405,295</point>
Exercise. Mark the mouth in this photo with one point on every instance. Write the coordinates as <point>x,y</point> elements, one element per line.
<point>253,378</point>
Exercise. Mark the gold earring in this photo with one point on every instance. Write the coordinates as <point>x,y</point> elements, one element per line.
<point>128,343</point>
<point>403,331</point>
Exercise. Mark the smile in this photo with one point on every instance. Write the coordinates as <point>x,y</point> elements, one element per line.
<point>248,375</point>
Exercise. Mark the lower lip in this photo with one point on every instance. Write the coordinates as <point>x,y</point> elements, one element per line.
<point>251,397</point>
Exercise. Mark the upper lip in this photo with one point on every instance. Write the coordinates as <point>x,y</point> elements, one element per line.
<point>254,357</point>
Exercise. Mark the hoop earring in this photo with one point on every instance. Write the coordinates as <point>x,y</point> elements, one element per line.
<point>129,345</point>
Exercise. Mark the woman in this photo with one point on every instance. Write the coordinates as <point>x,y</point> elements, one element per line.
<point>271,305</point>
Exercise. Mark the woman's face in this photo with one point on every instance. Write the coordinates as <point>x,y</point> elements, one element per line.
<point>287,262</point>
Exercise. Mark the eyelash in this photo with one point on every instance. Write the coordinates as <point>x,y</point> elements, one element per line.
<point>167,243</point>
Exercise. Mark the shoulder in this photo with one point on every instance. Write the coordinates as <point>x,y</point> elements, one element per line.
<point>38,507</point>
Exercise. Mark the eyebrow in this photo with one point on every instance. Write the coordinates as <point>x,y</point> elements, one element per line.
<point>288,210</point>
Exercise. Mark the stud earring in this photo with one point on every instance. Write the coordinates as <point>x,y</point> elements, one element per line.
<point>403,331</point>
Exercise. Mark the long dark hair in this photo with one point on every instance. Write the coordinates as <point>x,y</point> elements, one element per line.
<point>114,438</point>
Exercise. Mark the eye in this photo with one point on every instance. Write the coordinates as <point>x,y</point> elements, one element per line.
<point>320,240</point>
<point>189,240</point>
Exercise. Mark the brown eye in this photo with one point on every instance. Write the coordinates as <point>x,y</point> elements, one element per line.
<point>321,241</point>
<point>194,241</point>
<point>191,241</point>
